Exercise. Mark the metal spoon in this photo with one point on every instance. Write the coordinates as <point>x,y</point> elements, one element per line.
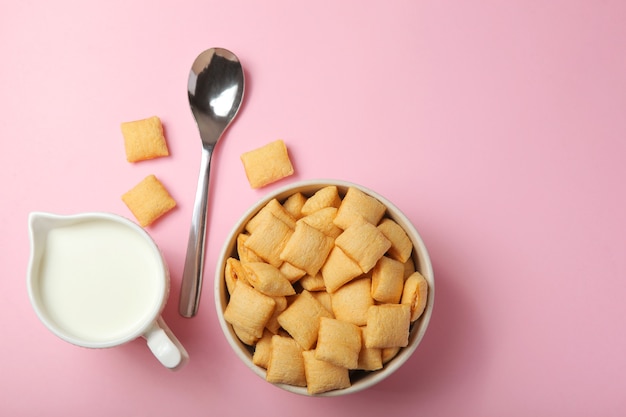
<point>215,87</point>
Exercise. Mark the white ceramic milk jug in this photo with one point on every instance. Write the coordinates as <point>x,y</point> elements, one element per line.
<point>98,280</point>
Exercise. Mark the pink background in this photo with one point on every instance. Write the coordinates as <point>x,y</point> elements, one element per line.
<point>498,127</point>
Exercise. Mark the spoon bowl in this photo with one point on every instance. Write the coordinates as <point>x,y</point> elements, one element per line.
<point>215,89</point>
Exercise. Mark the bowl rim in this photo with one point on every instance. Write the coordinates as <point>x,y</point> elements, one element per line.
<point>421,257</point>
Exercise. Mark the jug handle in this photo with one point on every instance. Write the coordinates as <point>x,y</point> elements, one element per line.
<point>165,346</point>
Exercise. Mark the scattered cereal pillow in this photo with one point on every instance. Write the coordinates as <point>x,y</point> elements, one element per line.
<point>144,139</point>
<point>148,200</point>
<point>267,164</point>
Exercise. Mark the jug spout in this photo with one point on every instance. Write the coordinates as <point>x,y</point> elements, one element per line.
<point>40,223</point>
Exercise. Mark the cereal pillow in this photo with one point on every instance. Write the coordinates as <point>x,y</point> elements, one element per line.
<point>388,326</point>
<point>307,248</point>
<point>249,310</point>
<point>322,376</point>
<point>148,200</point>
<point>364,243</point>
<point>338,342</point>
<point>302,319</point>
<point>267,164</point>
<point>144,139</point>
<point>286,364</point>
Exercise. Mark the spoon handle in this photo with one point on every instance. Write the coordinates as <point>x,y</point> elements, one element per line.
<point>194,260</point>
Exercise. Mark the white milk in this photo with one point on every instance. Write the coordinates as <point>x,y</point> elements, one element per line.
<point>100,280</point>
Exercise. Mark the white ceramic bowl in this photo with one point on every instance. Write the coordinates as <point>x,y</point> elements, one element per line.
<point>360,379</point>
